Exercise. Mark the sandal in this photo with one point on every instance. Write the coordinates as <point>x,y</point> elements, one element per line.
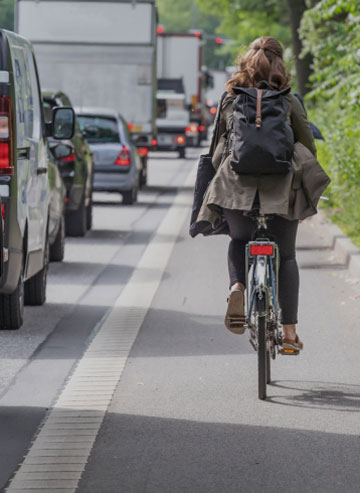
<point>294,344</point>
<point>235,313</point>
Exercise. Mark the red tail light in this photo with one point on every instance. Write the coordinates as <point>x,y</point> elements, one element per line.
<point>143,151</point>
<point>6,166</point>
<point>68,159</point>
<point>154,142</point>
<point>4,155</point>
<point>193,128</point>
<point>202,128</point>
<point>124,158</point>
<point>180,140</point>
<point>213,110</point>
<point>261,250</point>
<point>130,126</point>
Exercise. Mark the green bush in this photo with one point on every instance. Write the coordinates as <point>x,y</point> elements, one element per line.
<point>331,32</point>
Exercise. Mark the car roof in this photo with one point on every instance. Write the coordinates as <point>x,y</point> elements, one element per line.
<point>96,111</point>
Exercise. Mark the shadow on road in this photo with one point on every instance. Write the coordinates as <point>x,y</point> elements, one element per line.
<point>162,454</point>
<point>320,395</point>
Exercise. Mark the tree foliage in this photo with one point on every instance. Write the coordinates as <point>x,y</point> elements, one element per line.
<point>184,15</point>
<point>331,33</point>
<point>7,14</point>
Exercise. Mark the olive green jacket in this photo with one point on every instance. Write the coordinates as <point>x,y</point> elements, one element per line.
<point>294,195</point>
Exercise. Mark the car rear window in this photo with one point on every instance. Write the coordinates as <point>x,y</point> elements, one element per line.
<point>99,129</point>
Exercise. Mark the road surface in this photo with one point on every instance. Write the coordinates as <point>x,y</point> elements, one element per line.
<point>127,381</point>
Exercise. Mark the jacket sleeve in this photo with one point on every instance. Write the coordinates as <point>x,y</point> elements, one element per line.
<point>300,126</point>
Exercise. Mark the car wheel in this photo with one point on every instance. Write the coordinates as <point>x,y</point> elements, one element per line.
<point>143,173</point>
<point>57,249</point>
<point>141,177</point>
<point>76,221</point>
<point>35,287</point>
<point>89,215</point>
<point>12,307</point>
<point>182,153</point>
<point>130,197</point>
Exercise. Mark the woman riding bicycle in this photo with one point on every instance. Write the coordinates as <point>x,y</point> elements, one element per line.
<point>231,194</point>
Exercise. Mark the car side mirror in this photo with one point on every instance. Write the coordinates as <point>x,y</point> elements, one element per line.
<point>63,123</point>
<point>61,151</point>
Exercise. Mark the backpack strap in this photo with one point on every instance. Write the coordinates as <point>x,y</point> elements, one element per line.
<point>258,120</point>
<point>215,135</point>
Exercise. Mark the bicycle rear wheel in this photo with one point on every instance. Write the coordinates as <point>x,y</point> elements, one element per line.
<point>262,363</point>
<point>268,367</point>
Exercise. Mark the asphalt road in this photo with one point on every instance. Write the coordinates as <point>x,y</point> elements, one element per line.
<point>184,416</point>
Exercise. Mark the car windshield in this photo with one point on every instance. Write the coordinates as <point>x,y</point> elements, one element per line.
<point>99,129</point>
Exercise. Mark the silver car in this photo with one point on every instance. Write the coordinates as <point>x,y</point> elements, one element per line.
<point>117,162</point>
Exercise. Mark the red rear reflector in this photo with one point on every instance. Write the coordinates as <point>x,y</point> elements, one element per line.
<point>261,249</point>
<point>143,151</point>
<point>123,158</point>
<point>180,140</point>
<point>202,128</point>
<point>213,110</point>
<point>154,142</point>
<point>4,155</point>
<point>68,159</point>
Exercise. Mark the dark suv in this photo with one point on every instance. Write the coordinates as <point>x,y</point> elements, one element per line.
<point>76,166</point>
<point>31,190</point>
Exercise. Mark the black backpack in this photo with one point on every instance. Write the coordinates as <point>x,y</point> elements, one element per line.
<point>263,141</point>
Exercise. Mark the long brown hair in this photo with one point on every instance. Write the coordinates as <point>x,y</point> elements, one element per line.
<point>262,62</point>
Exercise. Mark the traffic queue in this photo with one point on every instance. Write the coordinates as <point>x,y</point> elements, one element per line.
<point>80,111</point>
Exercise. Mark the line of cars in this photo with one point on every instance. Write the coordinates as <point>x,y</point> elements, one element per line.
<point>50,162</point>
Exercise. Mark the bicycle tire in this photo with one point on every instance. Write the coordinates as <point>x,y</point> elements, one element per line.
<point>268,367</point>
<point>262,364</point>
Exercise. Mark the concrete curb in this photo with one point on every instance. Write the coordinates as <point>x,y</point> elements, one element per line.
<point>345,250</point>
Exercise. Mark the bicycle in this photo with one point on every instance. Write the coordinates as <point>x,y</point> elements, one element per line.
<point>262,300</point>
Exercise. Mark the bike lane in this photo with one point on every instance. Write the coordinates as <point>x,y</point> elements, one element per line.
<point>185,415</point>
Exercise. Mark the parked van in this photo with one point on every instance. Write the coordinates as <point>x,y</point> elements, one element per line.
<point>24,179</point>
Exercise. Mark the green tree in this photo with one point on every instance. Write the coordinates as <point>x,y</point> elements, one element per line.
<point>7,14</point>
<point>331,34</point>
<point>244,21</point>
<point>184,15</point>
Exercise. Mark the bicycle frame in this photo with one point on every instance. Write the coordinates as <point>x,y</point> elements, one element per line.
<point>262,306</point>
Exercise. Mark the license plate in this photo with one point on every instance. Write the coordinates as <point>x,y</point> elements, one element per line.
<point>137,128</point>
<point>165,139</point>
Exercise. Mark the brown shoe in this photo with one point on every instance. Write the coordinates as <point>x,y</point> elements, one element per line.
<point>235,313</point>
<point>294,344</point>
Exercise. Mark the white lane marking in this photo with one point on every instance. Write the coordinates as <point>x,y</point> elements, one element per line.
<point>59,452</point>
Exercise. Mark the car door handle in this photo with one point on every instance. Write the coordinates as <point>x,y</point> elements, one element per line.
<point>41,171</point>
<point>23,153</point>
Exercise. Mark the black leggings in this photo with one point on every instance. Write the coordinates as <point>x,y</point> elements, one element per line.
<point>241,230</point>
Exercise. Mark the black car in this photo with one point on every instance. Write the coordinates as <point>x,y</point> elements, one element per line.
<point>75,161</point>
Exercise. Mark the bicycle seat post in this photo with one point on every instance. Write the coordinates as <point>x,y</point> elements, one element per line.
<point>261,220</point>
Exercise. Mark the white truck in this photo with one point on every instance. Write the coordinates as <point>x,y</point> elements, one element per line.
<point>100,53</point>
<point>179,55</point>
